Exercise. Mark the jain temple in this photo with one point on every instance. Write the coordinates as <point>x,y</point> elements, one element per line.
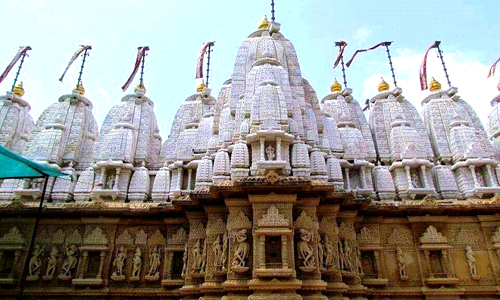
<point>264,191</point>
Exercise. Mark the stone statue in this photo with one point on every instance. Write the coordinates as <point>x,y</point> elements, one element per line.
<point>471,260</point>
<point>119,262</point>
<point>136,263</point>
<point>321,252</point>
<point>111,182</point>
<point>35,263</point>
<point>154,262</point>
<point>346,256</point>
<point>70,262</point>
<point>305,249</point>
<point>480,178</point>
<point>415,180</point>
<point>217,252</point>
<point>51,263</point>
<point>203,257</point>
<point>341,256</point>
<point>329,254</point>
<point>242,249</point>
<point>198,253</point>
<point>401,263</point>
<point>270,153</point>
<point>184,261</point>
<point>224,250</point>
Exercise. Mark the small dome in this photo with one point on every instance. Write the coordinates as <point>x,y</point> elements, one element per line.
<point>140,87</point>
<point>79,89</point>
<point>201,86</point>
<point>264,23</point>
<point>18,89</point>
<point>335,87</point>
<point>383,86</point>
<point>434,86</point>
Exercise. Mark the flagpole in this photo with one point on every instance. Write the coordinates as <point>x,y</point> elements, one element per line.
<point>440,53</point>
<point>272,11</point>
<point>85,54</point>
<point>208,61</point>
<point>339,44</point>
<point>142,66</point>
<point>19,69</point>
<point>387,44</point>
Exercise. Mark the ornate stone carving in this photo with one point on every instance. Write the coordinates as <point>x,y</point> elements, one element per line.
<point>179,238</point>
<point>119,263</point>
<point>69,263</point>
<point>136,265</point>
<point>346,256</point>
<point>157,238</point>
<point>471,261</point>
<point>241,253</point>
<point>125,238</point>
<point>58,237</point>
<point>237,221</point>
<point>432,236</point>
<point>273,218</point>
<point>51,264</point>
<point>217,250</point>
<point>74,238</point>
<point>96,237</point>
<point>154,264</point>
<point>13,237</point>
<point>305,250</point>
<point>197,231</point>
<point>306,222</point>
<point>496,235</point>
<point>185,261</point>
<point>35,264</point>
<point>270,153</point>
<point>198,250</point>
<point>216,226</point>
<point>401,260</point>
<point>141,237</point>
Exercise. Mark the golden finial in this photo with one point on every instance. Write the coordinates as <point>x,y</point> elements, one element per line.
<point>201,86</point>
<point>19,89</point>
<point>335,87</point>
<point>498,86</point>
<point>140,87</point>
<point>79,88</point>
<point>383,86</point>
<point>264,23</point>
<point>434,86</point>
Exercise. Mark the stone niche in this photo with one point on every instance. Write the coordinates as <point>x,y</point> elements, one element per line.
<point>11,247</point>
<point>371,257</point>
<point>273,235</point>
<point>174,258</point>
<point>93,253</point>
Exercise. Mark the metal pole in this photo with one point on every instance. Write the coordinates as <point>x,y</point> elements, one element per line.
<point>83,65</point>
<point>440,53</point>
<point>208,62</point>
<point>32,242</point>
<point>19,69</point>
<point>142,68</point>
<point>272,11</point>
<point>387,44</point>
<point>339,44</point>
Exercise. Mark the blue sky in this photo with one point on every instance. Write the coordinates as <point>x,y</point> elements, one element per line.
<point>175,30</point>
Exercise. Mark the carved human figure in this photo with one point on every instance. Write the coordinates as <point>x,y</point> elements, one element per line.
<point>184,260</point>
<point>270,153</point>
<point>224,250</point>
<point>137,263</point>
<point>203,258</point>
<point>197,255</point>
<point>401,263</point>
<point>471,260</point>
<point>110,183</point>
<point>35,263</point>
<point>480,178</point>
<point>330,254</point>
<point>241,252</point>
<point>321,252</point>
<point>154,261</point>
<point>52,262</point>
<point>305,248</point>
<point>414,180</point>
<point>119,262</point>
<point>217,251</point>
<point>341,256</point>
<point>347,256</point>
<point>70,262</point>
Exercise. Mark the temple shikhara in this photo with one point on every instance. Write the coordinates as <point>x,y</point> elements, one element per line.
<point>264,191</point>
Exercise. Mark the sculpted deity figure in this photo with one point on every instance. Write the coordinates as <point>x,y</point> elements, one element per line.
<point>415,180</point>
<point>401,263</point>
<point>154,261</point>
<point>346,255</point>
<point>52,262</point>
<point>270,153</point>
<point>471,260</point>
<point>35,263</point>
<point>330,254</point>
<point>321,252</point>
<point>341,256</point>
<point>480,178</point>
<point>184,260</point>
<point>242,249</point>
<point>217,251</point>
<point>305,249</point>
<point>198,253</point>
<point>110,183</point>
<point>137,263</point>
<point>119,262</point>
<point>70,262</point>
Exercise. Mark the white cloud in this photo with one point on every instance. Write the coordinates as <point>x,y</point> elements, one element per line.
<point>363,34</point>
<point>465,71</point>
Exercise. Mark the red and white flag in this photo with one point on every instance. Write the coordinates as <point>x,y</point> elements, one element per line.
<point>201,56</point>
<point>423,67</point>
<point>73,58</point>
<point>141,52</point>
<point>19,54</point>
<point>348,64</point>
<point>493,68</point>
<point>342,45</point>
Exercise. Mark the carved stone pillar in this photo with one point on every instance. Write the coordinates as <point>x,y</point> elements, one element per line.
<point>472,170</point>
<point>362,175</point>
<point>278,148</point>
<point>408,176</point>
<point>423,171</point>
<point>347,180</point>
